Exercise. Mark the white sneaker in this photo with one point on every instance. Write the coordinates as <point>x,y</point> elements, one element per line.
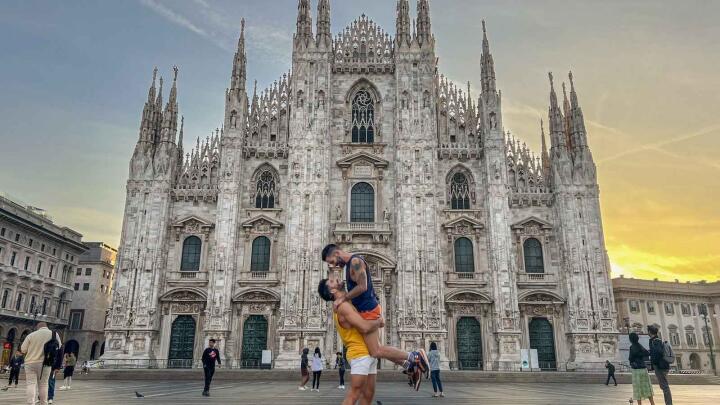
<point>63,388</point>
<point>50,401</point>
<point>302,388</point>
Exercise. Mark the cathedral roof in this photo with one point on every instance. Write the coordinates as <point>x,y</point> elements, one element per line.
<point>363,46</point>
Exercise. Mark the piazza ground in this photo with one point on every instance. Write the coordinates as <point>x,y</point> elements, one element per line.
<point>267,392</point>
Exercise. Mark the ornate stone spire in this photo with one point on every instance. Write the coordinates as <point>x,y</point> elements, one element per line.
<point>487,65</point>
<point>545,158</point>
<point>169,126</point>
<point>557,127</point>
<point>239,72</point>
<point>402,23</point>
<point>424,30</point>
<point>577,121</point>
<point>324,36</point>
<point>304,22</point>
<point>147,122</point>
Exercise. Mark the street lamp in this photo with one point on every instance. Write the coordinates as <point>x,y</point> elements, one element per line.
<point>708,336</point>
<point>35,313</point>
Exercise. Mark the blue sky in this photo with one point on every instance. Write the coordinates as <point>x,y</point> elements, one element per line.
<point>74,75</point>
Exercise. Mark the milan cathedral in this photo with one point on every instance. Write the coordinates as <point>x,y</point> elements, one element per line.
<point>473,241</point>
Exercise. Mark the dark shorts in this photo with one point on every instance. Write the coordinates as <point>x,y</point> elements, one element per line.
<point>68,372</point>
<point>304,372</point>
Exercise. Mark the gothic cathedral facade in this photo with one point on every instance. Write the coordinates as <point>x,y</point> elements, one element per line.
<point>473,241</point>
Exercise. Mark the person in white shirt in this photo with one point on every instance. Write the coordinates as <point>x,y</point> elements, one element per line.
<point>37,375</point>
<point>317,368</point>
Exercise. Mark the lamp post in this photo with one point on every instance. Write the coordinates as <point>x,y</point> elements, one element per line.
<point>708,336</point>
<point>35,313</point>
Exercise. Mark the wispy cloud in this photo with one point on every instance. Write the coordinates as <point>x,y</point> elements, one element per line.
<point>173,16</point>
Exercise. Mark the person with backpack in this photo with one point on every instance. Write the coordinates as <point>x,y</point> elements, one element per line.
<point>661,356</point>
<point>40,348</point>
<point>57,365</point>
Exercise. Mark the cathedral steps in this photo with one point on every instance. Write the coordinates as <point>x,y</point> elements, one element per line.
<point>390,375</point>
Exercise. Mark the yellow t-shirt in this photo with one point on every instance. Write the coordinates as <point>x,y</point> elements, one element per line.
<point>353,341</point>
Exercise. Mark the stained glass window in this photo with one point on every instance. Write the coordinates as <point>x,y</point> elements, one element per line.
<point>265,191</point>
<point>363,118</point>
<point>459,192</point>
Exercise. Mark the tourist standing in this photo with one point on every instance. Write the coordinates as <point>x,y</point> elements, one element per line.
<point>660,356</point>
<point>70,362</point>
<point>611,372</point>
<point>434,359</point>
<point>640,378</point>
<point>57,365</point>
<point>304,365</point>
<point>15,364</point>
<point>340,366</point>
<point>40,349</point>
<point>317,368</point>
<point>210,356</point>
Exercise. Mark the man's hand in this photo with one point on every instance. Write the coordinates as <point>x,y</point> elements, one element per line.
<point>337,302</point>
<point>381,320</point>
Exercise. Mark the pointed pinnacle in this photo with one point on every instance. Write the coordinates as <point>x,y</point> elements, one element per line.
<point>175,73</point>
<point>154,75</point>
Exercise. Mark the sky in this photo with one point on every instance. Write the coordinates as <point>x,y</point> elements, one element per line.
<point>74,76</point>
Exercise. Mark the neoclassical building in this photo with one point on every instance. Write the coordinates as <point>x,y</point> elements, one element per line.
<point>473,241</point>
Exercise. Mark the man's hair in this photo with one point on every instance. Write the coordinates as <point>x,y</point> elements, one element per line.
<point>634,338</point>
<point>324,291</point>
<point>213,340</point>
<point>328,250</point>
<point>652,330</point>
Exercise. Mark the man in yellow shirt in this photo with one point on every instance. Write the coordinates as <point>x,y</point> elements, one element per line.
<point>351,327</point>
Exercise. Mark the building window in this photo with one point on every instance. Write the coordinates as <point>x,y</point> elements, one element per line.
<point>33,303</point>
<point>54,251</point>
<point>12,258</point>
<point>690,336</point>
<point>674,335</point>
<point>685,308</point>
<point>362,203</point>
<point>76,320</point>
<point>669,308</point>
<point>45,306</point>
<point>533,253</point>
<point>363,118</point>
<point>86,286</point>
<point>30,242</point>
<point>17,237</point>
<point>39,266</point>
<point>27,263</point>
<point>260,258</point>
<point>42,247</point>
<point>191,254</point>
<point>265,191</point>
<point>88,271</point>
<point>634,306</point>
<point>464,258</point>
<point>50,273</point>
<point>650,307</point>
<point>78,271</point>
<point>5,296</point>
<point>459,192</point>
<point>19,301</point>
<point>2,232</point>
<point>77,286</point>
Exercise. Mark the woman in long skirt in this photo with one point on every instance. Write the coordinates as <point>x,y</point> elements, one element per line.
<point>642,388</point>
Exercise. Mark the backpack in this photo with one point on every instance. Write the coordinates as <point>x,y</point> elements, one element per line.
<point>668,354</point>
<point>51,351</point>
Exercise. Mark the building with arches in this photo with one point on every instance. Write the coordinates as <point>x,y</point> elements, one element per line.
<point>473,241</point>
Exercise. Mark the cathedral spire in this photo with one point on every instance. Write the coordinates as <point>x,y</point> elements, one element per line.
<point>402,23</point>
<point>545,158</point>
<point>169,125</point>
<point>424,29</point>
<point>239,73</point>
<point>487,65</point>
<point>147,122</point>
<point>555,117</point>
<point>577,121</point>
<point>324,35</point>
<point>151,90</point>
<point>304,22</point>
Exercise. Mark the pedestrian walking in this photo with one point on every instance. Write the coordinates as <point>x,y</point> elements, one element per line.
<point>210,356</point>
<point>304,365</point>
<point>40,349</point>
<point>317,368</point>
<point>611,372</point>
<point>661,356</point>
<point>434,359</point>
<point>642,388</point>
<point>340,366</point>
<point>16,362</point>
<point>57,365</point>
<point>70,362</point>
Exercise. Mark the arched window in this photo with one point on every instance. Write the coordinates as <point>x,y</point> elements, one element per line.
<point>362,203</point>
<point>533,256</point>
<point>260,258</point>
<point>363,118</point>
<point>265,191</point>
<point>690,338</point>
<point>459,192</point>
<point>464,258</point>
<point>674,335</point>
<point>191,254</point>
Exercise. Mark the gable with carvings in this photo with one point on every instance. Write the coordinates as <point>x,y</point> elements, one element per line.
<point>261,225</point>
<point>192,225</point>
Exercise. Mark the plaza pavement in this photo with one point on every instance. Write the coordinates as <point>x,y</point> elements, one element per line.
<point>266,392</point>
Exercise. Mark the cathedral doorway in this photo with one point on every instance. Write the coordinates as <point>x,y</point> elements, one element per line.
<point>469,344</point>
<point>182,342</point>
<point>543,339</point>
<point>255,332</point>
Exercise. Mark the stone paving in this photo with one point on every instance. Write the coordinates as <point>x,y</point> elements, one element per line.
<point>389,393</point>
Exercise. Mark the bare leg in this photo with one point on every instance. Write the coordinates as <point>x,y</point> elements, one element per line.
<point>357,384</point>
<point>372,341</point>
<point>652,401</point>
<point>369,390</point>
<point>639,401</point>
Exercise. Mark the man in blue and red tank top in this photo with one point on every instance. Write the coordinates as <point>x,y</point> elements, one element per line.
<point>362,295</point>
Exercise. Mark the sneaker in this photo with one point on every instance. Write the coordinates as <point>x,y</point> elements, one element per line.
<point>206,394</point>
<point>50,401</point>
<point>442,395</point>
<point>435,395</point>
<point>63,388</point>
<point>302,388</point>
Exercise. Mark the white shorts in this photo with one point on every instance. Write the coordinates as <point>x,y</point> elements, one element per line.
<point>365,365</point>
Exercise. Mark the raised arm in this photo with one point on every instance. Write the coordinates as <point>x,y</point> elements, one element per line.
<point>351,316</point>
